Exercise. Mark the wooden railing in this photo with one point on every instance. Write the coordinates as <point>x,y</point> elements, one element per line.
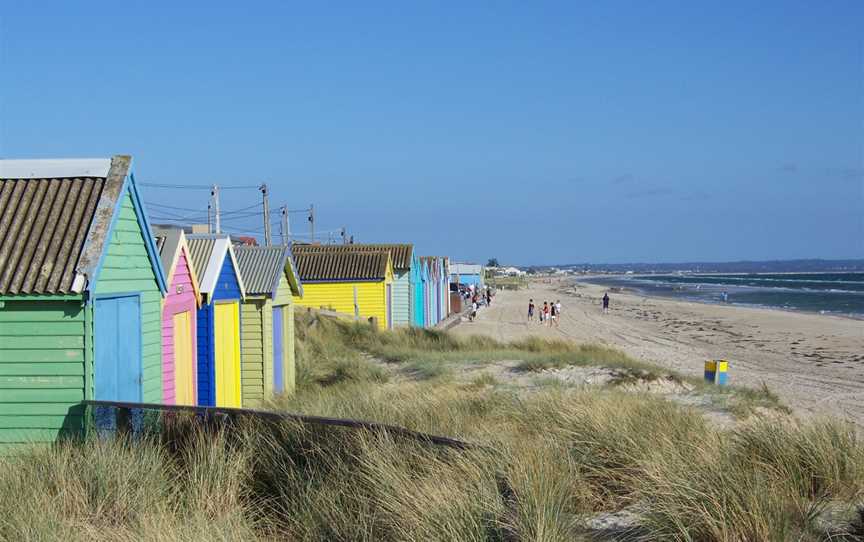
<point>123,420</point>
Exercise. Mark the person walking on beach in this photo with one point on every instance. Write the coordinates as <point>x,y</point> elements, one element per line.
<point>558,309</point>
<point>553,310</point>
<point>545,312</point>
<point>473,314</point>
<point>605,302</point>
<point>530,310</point>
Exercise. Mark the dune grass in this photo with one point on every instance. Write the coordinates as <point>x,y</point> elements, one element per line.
<point>546,463</point>
<point>429,346</point>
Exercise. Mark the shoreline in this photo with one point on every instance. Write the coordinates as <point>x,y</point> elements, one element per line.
<point>814,362</point>
<point>633,291</point>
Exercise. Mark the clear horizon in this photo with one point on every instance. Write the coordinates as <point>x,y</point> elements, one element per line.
<point>549,132</point>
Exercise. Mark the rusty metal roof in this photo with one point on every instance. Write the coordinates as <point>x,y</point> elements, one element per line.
<point>401,253</point>
<point>53,229</point>
<point>341,265</point>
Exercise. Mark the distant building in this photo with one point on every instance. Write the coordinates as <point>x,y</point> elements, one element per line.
<point>466,273</point>
<point>512,271</point>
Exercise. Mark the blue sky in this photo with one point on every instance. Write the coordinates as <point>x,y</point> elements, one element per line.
<point>534,132</point>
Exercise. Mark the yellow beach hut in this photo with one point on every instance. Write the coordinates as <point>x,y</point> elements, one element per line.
<point>218,334</point>
<point>355,283</point>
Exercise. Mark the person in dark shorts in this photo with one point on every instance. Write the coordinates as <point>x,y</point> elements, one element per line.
<point>606,302</point>
<point>530,310</point>
<point>553,312</point>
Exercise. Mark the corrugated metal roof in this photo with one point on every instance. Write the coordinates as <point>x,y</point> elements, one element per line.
<point>44,225</point>
<point>200,248</point>
<point>401,253</point>
<point>261,267</point>
<point>208,252</point>
<point>55,217</point>
<point>341,265</point>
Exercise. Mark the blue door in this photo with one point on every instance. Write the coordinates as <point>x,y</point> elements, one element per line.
<point>278,362</point>
<point>117,330</point>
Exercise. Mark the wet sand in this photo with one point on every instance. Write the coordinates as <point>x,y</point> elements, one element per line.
<point>815,363</point>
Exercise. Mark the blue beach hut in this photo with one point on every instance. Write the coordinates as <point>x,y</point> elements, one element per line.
<point>417,318</point>
<point>221,287</point>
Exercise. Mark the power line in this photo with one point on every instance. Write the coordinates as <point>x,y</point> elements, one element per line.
<point>199,210</point>
<point>198,187</point>
<point>163,206</point>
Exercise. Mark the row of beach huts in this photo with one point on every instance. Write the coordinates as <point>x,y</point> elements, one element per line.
<point>98,304</point>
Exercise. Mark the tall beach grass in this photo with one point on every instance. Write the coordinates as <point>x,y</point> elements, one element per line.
<point>545,464</point>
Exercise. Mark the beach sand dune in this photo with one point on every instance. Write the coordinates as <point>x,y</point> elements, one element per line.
<point>814,363</point>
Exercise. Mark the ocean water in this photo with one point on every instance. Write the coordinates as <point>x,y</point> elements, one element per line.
<point>827,293</point>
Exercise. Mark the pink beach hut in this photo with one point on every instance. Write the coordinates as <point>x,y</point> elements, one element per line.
<point>179,324</point>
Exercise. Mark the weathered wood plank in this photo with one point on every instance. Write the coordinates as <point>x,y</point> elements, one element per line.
<point>40,382</point>
<point>40,329</point>
<point>41,369</point>
<point>42,395</point>
<point>44,343</point>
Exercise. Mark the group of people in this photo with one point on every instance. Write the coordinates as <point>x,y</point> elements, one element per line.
<point>549,314</point>
<point>475,301</point>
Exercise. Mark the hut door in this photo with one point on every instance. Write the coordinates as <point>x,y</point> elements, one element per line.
<point>389,306</point>
<point>184,390</point>
<point>117,341</point>
<point>227,342</point>
<point>278,349</point>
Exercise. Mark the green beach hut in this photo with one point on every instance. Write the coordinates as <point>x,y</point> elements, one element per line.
<point>267,321</point>
<point>81,287</point>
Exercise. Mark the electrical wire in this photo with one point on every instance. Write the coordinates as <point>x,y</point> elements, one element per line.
<point>200,187</point>
<point>163,206</point>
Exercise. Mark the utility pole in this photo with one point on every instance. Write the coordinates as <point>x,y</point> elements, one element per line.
<point>210,217</point>
<point>312,220</point>
<point>267,238</point>
<point>344,236</point>
<point>284,225</point>
<point>214,192</point>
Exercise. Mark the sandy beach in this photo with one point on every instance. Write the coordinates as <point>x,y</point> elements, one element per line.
<point>814,363</point>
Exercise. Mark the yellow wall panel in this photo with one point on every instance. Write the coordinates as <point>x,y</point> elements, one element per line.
<point>339,296</point>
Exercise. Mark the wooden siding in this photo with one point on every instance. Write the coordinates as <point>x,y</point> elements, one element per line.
<point>290,364</point>
<point>227,288</point>
<point>371,297</point>
<point>174,303</point>
<point>126,268</point>
<point>256,320</point>
<point>205,353</point>
<point>283,292</point>
<point>42,370</point>
<point>402,298</point>
<point>284,298</point>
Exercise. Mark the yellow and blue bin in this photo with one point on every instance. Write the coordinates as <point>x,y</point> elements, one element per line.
<point>716,371</point>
